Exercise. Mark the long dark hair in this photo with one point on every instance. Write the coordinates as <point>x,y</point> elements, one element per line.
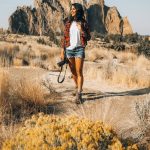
<point>80,13</point>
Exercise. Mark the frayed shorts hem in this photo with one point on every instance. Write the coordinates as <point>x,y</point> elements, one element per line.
<point>75,57</point>
<point>78,53</point>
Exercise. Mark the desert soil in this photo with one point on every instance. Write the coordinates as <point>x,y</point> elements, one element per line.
<point>115,105</point>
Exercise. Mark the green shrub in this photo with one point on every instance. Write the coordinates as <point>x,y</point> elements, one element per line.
<point>118,46</point>
<point>112,37</point>
<point>144,48</point>
<point>106,39</point>
<point>132,38</point>
<point>41,41</point>
<point>95,35</point>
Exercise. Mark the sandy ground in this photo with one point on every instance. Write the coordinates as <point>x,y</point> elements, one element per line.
<point>113,105</point>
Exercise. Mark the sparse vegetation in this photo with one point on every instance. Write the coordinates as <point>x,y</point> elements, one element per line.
<point>118,67</point>
<point>144,48</point>
<point>21,99</point>
<point>118,46</point>
<point>52,132</point>
<point>41,41</point>
<point>95,35</point>
<point>143,116</point>
<point>118,43</point>
<point>142,109</point>
<point>113,37</point>
<point>8,54</point>
<point>130,38</point>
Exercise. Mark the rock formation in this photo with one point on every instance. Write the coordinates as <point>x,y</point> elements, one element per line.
<point>96,15</point>
<point>126,26</point>
<point>113,20</point>
<point>47,16</point>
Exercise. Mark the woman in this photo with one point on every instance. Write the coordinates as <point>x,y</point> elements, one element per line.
<point>76,35</point>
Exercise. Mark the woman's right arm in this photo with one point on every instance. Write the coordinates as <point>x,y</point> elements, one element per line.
<point>62,53</point>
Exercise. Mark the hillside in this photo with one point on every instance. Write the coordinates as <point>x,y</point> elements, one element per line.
<point>116,88</point>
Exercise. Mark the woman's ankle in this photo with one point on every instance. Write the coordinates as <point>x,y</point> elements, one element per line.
<point>80,91</point>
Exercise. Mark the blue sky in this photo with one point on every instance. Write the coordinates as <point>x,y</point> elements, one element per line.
<point>137,11</point>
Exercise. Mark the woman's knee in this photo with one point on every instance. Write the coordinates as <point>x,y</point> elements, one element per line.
<point>79,73</point>
<point>73,71</point>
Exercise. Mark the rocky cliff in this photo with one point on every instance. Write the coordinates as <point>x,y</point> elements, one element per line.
<point>47,18</point>
<point>126,26</point>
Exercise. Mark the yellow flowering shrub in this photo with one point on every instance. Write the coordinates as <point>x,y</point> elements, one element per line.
<point>45,132</point>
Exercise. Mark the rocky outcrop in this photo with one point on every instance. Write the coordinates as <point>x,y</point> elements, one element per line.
<point>46,18</point>
<point>113,21</point>
<point>21,21</point>
<point>96,15</point>
<point>126,26</point>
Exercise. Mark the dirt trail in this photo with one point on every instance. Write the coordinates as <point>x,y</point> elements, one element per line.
<point>113,105</point>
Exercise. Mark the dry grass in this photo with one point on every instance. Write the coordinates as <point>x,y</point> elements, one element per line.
<point>142,110</point>
<point>19,99</point>
<point>112,74</point>
<point>25,97</point>
<point>8,131</point>
<point>143,63</point>
<point>128,116</point>
<point>22,98</point>
<point>96,54</point>
<point>30,54</point>
<point>17,62</point>
<point>7,54</point>
<point>123,68</point>
<point>112,111</point>
<point>127,58</point>
<point>45,57</point>
<point>39,56</point>
<point>131,78</point>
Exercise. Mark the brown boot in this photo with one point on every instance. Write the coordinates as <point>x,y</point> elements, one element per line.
<point>79,99</point>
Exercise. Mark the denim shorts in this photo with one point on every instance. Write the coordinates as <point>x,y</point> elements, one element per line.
<point>78,52</point>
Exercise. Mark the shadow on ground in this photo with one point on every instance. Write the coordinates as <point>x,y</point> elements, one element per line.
<point>98,95</point>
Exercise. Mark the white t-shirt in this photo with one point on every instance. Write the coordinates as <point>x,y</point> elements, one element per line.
<point>74,36</point>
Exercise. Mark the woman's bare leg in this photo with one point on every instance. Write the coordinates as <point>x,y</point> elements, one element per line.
<point>79,71</point>
<point>73,70</point>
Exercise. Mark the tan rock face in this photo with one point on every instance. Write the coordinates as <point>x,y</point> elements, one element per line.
<point>127,29</point>
<point>112,21</point>
<point>66,4</point>
<point>47,17</point>
<point>83,2</point>
<point>105,19</point>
